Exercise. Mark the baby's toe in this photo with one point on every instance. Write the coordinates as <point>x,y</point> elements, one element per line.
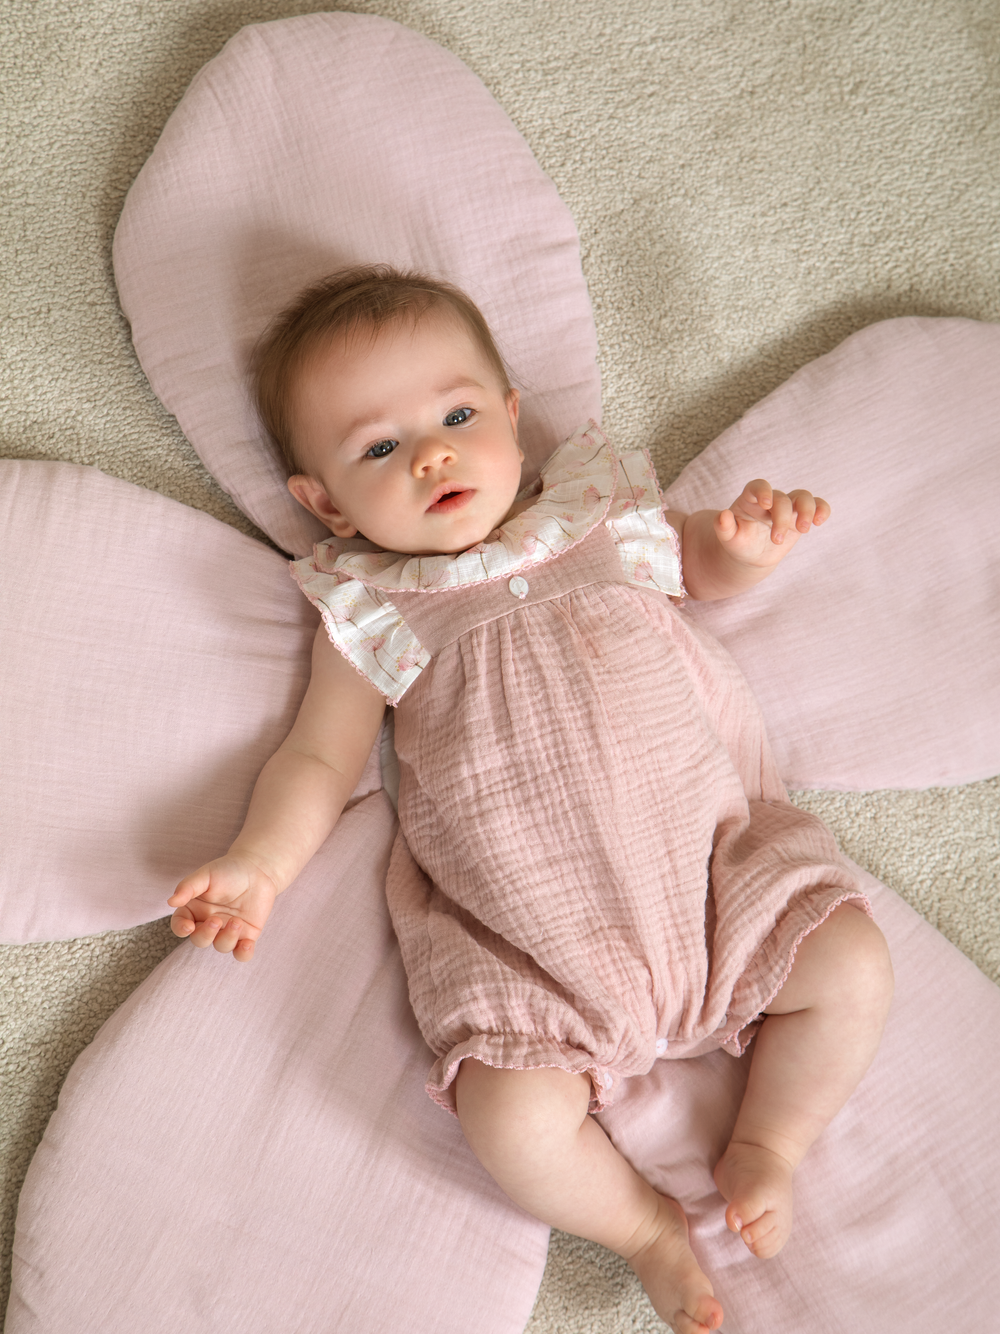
<point>707,1316</point>
<point>708,1312</point>
<point>748,1206</point>
<point>766,1236</point>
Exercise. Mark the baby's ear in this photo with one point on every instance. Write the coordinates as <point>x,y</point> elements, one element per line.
<point>311,494</point>
<point>514,408</point>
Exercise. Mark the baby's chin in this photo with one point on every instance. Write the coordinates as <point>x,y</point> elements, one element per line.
<point>466,543</point>
<point>427,551</point>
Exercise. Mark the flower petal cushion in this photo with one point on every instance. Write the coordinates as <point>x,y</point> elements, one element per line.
<point>334,139</point>
<point>873,650</point>
<point>153,658</point>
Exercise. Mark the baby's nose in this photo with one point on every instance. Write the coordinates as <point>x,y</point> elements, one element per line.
<point>431,451</point>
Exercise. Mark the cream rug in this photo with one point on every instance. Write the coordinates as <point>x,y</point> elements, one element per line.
<point>752,180</point>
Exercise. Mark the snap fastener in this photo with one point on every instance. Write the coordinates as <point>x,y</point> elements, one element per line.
<point>518,586</point>
<point>661,1046</point>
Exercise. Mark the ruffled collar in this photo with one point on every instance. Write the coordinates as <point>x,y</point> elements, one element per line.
<point>574,494</point>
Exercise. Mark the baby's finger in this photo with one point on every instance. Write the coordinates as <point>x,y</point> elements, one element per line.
<point>804,503</point>
<point>243,952</point>
<point>206,931</point>
<point>190,887</point>
<point>228,938</point>
<point>725,525</point>
<point>182,923</point>
<point>758,492</point>
<point>782,516</point>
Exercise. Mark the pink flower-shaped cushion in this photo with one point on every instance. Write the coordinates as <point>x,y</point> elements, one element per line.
<point>264,1130</point>
<point>337,139</point>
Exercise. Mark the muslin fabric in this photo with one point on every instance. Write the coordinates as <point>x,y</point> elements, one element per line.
<point>597,863</point>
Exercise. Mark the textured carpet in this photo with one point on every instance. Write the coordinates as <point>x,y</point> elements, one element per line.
<point>752,179</point>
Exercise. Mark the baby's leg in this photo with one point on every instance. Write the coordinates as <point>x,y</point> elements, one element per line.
<point>822,1031</point>
<point>531,1131</point>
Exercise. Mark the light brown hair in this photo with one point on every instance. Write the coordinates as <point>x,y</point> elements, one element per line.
<point>366,297</point>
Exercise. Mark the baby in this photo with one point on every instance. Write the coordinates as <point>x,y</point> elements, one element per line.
<point>597,865</point>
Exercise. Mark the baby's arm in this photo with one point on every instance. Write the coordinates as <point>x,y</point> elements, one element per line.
<point>726,552</point>
<point>296,802</point>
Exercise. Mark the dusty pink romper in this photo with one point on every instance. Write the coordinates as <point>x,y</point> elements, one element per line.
<point>597,862</point>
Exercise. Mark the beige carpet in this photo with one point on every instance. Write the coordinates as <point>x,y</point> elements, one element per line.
<point>752,180</point>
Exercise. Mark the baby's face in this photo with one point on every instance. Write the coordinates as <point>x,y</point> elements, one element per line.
<point>408,440</point>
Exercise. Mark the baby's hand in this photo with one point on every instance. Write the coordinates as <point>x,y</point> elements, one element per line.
<point>762,525</point>
<point>224,903</point>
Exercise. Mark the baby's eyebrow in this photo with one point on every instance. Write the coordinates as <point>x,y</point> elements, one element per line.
<point>452,385</point>
<point>361,424</point>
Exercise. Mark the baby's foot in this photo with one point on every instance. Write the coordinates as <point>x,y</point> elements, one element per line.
<point>758,1185</point>
<point>680,1292</point>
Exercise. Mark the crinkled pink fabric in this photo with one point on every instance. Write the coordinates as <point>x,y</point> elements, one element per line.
<point>873,651</point>
<point>334,139</point>
<point>597,862</point>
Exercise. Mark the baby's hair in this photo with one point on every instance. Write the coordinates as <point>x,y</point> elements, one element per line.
<point>366,297</point>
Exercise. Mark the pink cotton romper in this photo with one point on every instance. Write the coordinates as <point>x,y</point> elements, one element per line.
<point>597,864</point>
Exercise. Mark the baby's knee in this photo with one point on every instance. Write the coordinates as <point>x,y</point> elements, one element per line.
<point>519,1109</point>
<point>867,976</point>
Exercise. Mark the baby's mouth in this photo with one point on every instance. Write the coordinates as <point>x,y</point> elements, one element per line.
<point>450,496</point>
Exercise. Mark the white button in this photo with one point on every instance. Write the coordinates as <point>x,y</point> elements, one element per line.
<point>518,586</point>
<point>606,1080</point>
<point>661,1046</point>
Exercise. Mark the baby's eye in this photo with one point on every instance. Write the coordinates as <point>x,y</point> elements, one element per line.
<point>457,417</point>
<point>380,448</point>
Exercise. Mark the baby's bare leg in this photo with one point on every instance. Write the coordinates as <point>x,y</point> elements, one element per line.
<point>822,1031</point>
<point>531,1131</point>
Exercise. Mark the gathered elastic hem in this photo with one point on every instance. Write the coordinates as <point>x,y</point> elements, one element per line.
<point>520,1051</point>
<point>737,1039</point>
